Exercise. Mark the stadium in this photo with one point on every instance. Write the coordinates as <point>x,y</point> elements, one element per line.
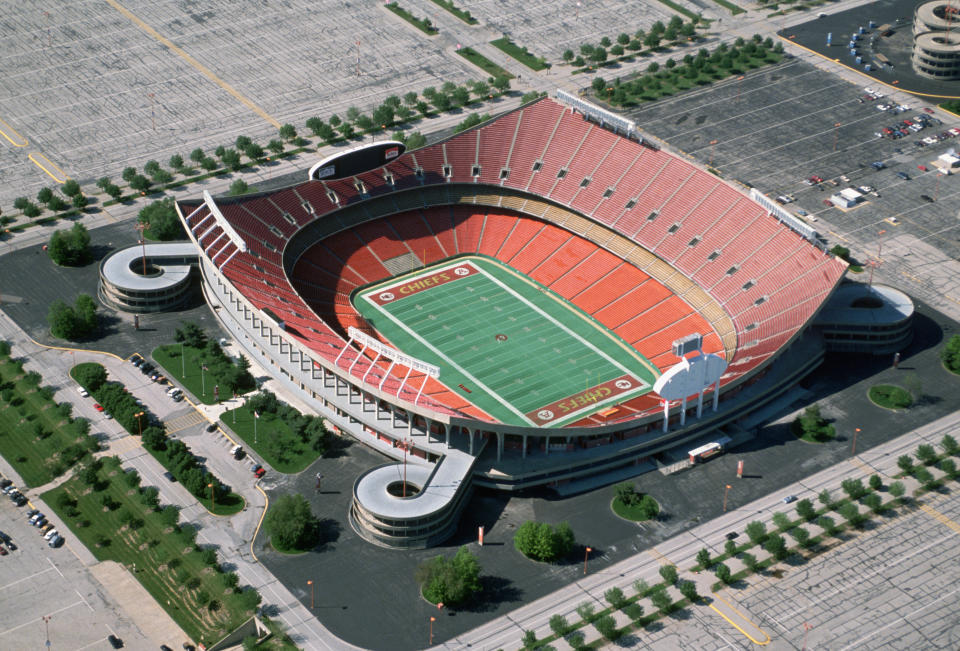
<point>495,309</point>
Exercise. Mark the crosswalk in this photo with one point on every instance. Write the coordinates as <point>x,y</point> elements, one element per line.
<point>183,422</point>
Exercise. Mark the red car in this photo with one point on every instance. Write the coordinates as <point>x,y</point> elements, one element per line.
<point>98,406</point>
<point>928,109</point>
<point>922,168</point>
<point>259,471</point>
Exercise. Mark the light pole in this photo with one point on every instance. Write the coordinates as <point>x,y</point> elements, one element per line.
<point>405,445</point>
<point>878,260</point>
<point>213,503</point>
<point>853,449</point>
<point>586,555</point>
<point>739,83</point>
<point>725,491</point>
<point>203,377</point>
<point>713,147</point>
<point>310,583</point>
<point>46,628</point>
<point>836,127</point>
<point>806,629</point>
<point>142,226</point>
<point>183,364</point>
<point>139,417</point>
<point>432,620</point>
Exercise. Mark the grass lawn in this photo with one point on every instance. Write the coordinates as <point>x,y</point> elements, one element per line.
<point>734,9</point>
<point>198,382</point>
<point>890,396</point>
<point>797,430</point>
<point>228,505</point>
<point>511,49</point>
<point>483,62</point>
<point>272,432</point>
<point>456,11</point>
<point>423,24</point>
<point>197,596</point>
<point>632,512</point>
<point>37,460</point>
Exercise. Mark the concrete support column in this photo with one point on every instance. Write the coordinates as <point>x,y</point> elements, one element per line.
<point>470,432</point>
<point>499,445</point>
<point>683,411</point>
<point>700,404</point>
<point>666,415</point>
<point>446,430</point>
<point>716,395</point>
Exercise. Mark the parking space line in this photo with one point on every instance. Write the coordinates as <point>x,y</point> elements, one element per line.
<point>26,578</point>
<point>46,165</point>
<point>55,567</point>
<point>7,131</point>
<point>84,601</point>
<point>33,622</point>
<point>206,72</point>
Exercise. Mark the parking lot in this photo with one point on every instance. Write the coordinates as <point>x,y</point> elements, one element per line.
<point>778,127</point>
<point>37,582</point>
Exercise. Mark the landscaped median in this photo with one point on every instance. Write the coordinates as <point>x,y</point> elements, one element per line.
<point>284,438</point>
<point>173,454</point>
<point>119,520</point>
<point>200,365</point>
<point>38,437</point>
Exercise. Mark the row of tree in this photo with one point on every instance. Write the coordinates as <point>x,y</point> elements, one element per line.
<point>231,377</point>
<point>52,201</point>
<point>673,32</point>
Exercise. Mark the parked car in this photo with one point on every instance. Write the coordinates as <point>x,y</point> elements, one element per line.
<point>213,427</point>
<point>927,198</point>
<point>56,541</point>
<point>928,109</point>
<point>83,392</point>
<point>3,551</point>
<point>5,482</point>
<point>18,499</point>
<point>904,176</point>
<point>115,641</point>
<point>98,406</point>
<point>169,476</point>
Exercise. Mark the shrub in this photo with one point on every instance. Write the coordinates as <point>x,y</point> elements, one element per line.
<point>722,572</point>
<point>540,541</point>
<point>559,625</point>
<point>776,546</point>
<point>607,627</point>
<point>450,581</point>
<point>669,574</point>
<point>615,597</point>
<point>756,531</point>
<point>585,610</point>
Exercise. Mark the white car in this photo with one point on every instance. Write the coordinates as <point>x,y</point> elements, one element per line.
<point>83,392</point>
<point>930,141</point>
<point>50,534</point>
<point>955,132</point>
<point>882,107</point>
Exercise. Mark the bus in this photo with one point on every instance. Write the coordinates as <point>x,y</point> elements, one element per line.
<point>708,450</point>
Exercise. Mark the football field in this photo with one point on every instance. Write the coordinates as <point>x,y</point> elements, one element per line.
<point>510,346</point>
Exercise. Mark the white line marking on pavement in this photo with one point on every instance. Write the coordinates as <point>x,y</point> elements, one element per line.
<point>39,619</point>
<point>84,601</point>
<point>26,578</point>
<point>55,567</point>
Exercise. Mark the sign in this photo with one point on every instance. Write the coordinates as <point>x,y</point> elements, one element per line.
<point>421,283</point>
<point>324,172</point>
<point>391,153</point>
<point>378,346</point>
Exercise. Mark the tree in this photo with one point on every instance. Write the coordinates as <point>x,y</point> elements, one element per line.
<point>288,132</point>
<point>31,210</point>
<point>598,84</point>
<point>197,155</point>
<point>950,353</point>
<point>730,548</point>
<point>776,546</point>
<point>450,581</point>
<point>875,482</point>
<point>873,502</point>
<point>905,463</point>
<point>926,454</point>
<point>57,204</point>
<point>599,55</point>
<point>689,590</point>
<point>756,531</point>
<point>559,625</point>
<point>163,220</point>
<point>854,488</point>
<point>615,597</point>
<point>253,151</point>
<point>806,510</point>
<point>231,158</point>
<point>897,489</point>
<point>585,610</point>
<point>750,561</point>
<point>502,84</point>
<point>801,535</point>
<point>80,201</point>
<point>291,524</point>
<point>276,146</point>
<point>652,41</point>
<point>239,187</point>
<point>669,574</point>
<point>852,514</point>
<point>90,376</point>
<point>568,55</point>
<point>781,521</point>
<point>662,601</point>
<point>410,98</point>
<point>529,640</point>
<point>607,627</point>
<point>71,323</point>
<point>140,183</point>
<point>949,467</point>
<point>722,572</point>
<point>70,247</point>
<point>703,558</point>
<point>949,445</point>
<point>540,541</point>
<point>176,162</point>
<point>71,188</point>
<point>45,195</point>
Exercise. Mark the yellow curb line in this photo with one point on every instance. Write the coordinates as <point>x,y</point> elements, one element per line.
<point>262,516</point>
<point>63,175</point>
<point>872,79</point>
<point>14,132</point>
<point>732,623</point>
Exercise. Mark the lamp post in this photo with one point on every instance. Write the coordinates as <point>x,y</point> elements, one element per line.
<point>310,583</point>
<point>739,83</point>
<point>203,377</point>
<point>139,417</point>
<point>836,127</point>
<point>432,620</point>
<point>405,445</point>
<point>586,555</point>
<point>725,491</point>
<point>183,364</point>
<point>213,504</point>
<point>853,448</point>
<point>142,226</point>
<point>46,628</point>
<point>713,147</point>
<point>806,629</point>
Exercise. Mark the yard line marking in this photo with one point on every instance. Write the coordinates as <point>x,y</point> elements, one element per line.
<point>567,330</point>
<point>436,351</point>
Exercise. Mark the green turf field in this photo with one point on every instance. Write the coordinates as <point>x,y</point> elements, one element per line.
<point>505,343</point>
